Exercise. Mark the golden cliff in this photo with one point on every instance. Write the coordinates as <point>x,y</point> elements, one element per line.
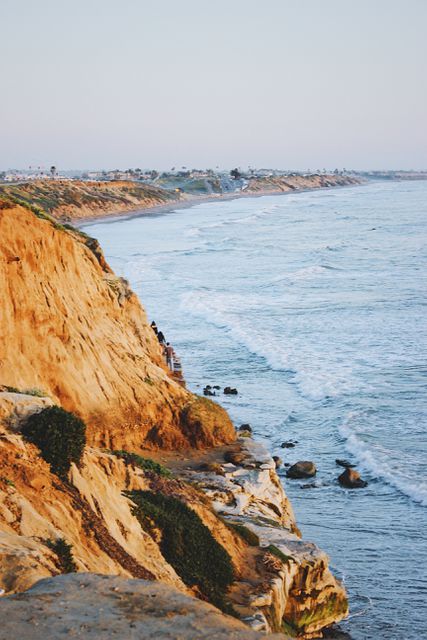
<point>71,328</point>
<point>213,522</point>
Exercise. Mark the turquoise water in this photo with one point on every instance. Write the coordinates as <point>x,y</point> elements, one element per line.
<point>313,306</point>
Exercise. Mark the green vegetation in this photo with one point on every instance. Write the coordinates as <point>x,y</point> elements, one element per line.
<point>39,393</point>
<point>275,551</point>
<point>9,483</point>
<point>333,606</point>
<point>187,544</point>
<point>60,436</point>
<point>249,536</point>
<point>142,463</point>
<point>63,551</point>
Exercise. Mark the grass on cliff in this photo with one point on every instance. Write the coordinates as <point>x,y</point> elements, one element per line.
<point>244,532</point>
<point>142,463</point>
<point>64,553</point>
<point>60,436</point>
<point>187,544</point>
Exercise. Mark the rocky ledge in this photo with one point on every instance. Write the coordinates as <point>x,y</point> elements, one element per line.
<point>82,605</point>
<point>300,595</point>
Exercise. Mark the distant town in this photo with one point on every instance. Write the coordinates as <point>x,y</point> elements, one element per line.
<point>182,178</point>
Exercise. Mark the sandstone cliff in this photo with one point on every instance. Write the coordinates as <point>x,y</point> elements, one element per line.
<point>74,334</point>
<point>283,184</point>
<point>71,328</point>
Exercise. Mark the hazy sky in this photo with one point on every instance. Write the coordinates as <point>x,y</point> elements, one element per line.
<point>284,83</point>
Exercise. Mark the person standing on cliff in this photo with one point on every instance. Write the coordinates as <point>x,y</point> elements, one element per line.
<point>169,356</point>
<point>161,337</point>
<point>154,327</point>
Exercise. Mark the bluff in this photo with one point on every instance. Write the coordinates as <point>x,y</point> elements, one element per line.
<point>75,331</point>
<point>66,200</point>
<point>164,490</point>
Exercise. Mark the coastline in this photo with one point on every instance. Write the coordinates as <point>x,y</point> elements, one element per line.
<point>192,201</point>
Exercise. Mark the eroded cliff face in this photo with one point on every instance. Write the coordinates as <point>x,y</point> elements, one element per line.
<point>73,329</point>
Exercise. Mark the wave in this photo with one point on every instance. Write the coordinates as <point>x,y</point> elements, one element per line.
<point>371,461</point>
<point>315,378</point>
<point>305,273</point>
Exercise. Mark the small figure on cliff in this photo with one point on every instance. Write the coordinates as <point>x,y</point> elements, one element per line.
<point>161,337</point>
<point>169,356</point>
<point>154,327</point>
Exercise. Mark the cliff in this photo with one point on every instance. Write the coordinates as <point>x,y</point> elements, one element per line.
<point>74,335</point>
<point>74,200</point>
<point>295,182</point>
<point>74,330</point>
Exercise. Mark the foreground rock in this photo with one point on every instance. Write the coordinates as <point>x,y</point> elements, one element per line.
<point>350,478</point>
<point>102,607</point>
<point>302,469</point>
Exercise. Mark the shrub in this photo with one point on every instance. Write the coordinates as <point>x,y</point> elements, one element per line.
<point>142,463</point>
<point>60,436</point>
<point>249,536</point>
<point>275,551</point>
<point>63,551</point>
<point>187,544</point>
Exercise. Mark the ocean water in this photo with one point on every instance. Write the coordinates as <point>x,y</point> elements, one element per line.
<point>314,306</point>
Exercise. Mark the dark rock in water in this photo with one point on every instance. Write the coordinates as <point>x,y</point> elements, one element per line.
<point>245,427</point>
<point>351,479</point>
<point>287,445</point>
<point>344,463</point>
<point>286,464</point>
<point>278,461</point>
<point>309,485</point>
<point>302,469</point>
<point>208,392</point>
<point>217,387</point>
<point>230,391</point>
<point>235,457</point>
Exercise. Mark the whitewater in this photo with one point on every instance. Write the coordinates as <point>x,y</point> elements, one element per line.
<point>312,304</point>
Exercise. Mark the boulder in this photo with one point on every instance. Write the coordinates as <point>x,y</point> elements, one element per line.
<point>213,467</point>
<point>302,469</point>
<point>235,457</point>
<point>351,479</point>
<point>287,445</point>
<point>230,391</point>
<point>207,391</point>
<point>277,461</point>
<point>245,427</point>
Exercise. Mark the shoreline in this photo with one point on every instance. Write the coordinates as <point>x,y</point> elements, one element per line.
<point>193,201</point>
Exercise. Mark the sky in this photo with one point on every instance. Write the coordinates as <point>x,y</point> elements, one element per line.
<point>290,84</point>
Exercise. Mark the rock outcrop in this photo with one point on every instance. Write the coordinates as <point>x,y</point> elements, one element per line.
<point>106,607</point>
<point>298,592</point>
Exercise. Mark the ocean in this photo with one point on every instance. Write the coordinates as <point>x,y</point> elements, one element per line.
<point>313,305</point>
